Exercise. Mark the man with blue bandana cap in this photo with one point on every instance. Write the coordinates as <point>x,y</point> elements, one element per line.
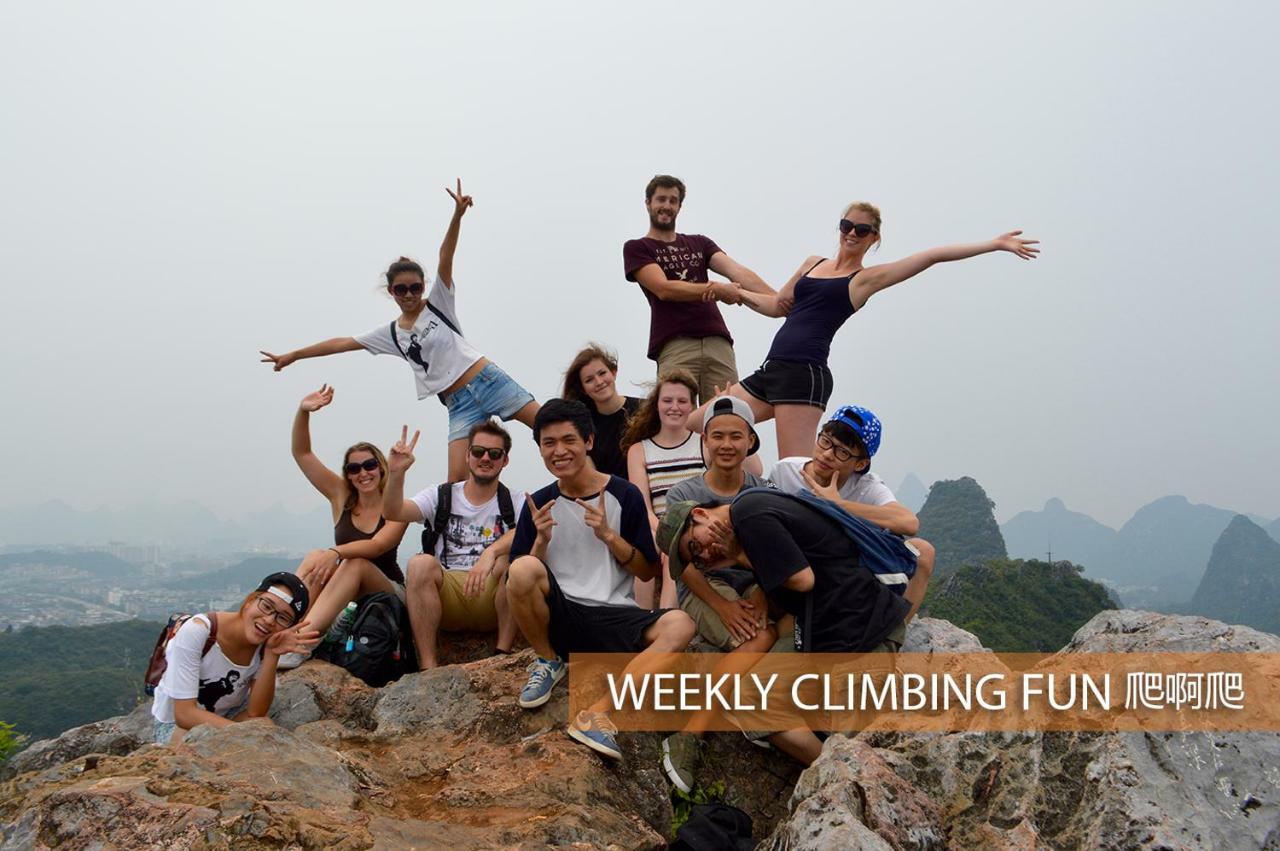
<point>840,471</point>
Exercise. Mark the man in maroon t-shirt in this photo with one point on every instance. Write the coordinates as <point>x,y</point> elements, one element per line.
<point>684,330</point>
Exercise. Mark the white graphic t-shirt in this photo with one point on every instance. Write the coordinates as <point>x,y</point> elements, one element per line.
<point>471,528</point>
<point>867,489</point>
<point>219,685</point>
<point>437,353</point>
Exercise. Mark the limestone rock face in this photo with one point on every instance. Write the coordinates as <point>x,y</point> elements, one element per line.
<point>1055,790</point>
<point>447,759</point>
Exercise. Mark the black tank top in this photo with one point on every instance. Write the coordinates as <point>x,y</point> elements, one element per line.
<point>346,532</point>
<point>822,306</point>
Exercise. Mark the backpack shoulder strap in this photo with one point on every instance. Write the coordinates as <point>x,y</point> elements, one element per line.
<point>505,508</point>
<point>395,338</point>
<point>443,318</point>
<point>444,507</point>
<point>213,633</point>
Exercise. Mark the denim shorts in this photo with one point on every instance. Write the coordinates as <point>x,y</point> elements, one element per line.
<point>491,393</point>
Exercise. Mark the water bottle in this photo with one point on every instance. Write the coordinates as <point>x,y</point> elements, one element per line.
<point>342,624</point>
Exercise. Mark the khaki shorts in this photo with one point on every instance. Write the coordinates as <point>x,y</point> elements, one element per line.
<point>460,613</point>
<point>713,630</point>
<point>709,359</point>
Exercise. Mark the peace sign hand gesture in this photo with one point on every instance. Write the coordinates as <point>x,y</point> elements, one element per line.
<point>313,402</point>
<point>597,519</point>
<point>542,519</point>
<point>401,455</point>
<point>1014,245</point>
<point>461,202</point>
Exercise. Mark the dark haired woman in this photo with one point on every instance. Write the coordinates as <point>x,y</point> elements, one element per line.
<point>428,336</point>
<point>235,679</point>
<point>592,379</point>
<point>794,383</point>
<point>362,559</point>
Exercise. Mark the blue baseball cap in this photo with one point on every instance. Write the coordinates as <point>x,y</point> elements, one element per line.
<point>864,424</point>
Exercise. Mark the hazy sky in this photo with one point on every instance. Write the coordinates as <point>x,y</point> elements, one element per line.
<point>183,185</point>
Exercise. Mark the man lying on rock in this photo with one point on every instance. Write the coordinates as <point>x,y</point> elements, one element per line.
<point>580,543</point>
<point>807,565</point>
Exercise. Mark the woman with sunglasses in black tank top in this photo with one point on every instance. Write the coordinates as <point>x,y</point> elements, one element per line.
<point>362,559</point>
<point>794,383</point>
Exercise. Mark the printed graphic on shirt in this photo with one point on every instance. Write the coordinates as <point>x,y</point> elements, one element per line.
<point>681,263</point>
<point>211,691</point>
<point>466,539</point>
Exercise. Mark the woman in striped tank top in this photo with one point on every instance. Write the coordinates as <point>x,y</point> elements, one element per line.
<point>661,452</point>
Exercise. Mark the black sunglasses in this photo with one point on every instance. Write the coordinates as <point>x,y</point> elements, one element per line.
<point>858,228</point>
<point>495,453</point>
<point>407,289</point>
<point>354,467</point>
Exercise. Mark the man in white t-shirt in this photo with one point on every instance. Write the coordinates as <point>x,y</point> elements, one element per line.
<point>457,585</point>
<point>840,471</point>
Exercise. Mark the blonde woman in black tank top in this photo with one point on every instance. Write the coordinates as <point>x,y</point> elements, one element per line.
<point>795,383</point>
<point>363,557</point>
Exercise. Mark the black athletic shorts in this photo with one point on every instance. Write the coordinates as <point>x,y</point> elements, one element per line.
<point>789,382</point>
<point>579,628</point>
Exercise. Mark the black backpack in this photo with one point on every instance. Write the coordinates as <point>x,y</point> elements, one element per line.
<point>379,646</point>
<point>444,507</point>
<point>715,827</point>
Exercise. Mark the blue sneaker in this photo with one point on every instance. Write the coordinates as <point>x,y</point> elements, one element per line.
<point>543,676</point>
<point>596,731</point>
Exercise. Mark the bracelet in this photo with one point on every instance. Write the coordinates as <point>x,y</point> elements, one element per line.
<point>338,554</point>
<point>630,555</point>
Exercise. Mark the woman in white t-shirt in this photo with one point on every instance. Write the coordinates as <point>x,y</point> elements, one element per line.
<point>428,336</point>
<point>662,452</point>
<point>236,678</point>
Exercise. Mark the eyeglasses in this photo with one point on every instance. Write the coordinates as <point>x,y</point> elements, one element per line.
<point>858,228</point>
<point>278,617</point>
<point>407,289</point>
<point>495,453</point>
<point>842,454</point>
<point>369,465</point>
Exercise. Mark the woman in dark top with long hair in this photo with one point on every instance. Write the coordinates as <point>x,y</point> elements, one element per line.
<point>592,380</point>
<point>794,383</point>
<point>363,557</point>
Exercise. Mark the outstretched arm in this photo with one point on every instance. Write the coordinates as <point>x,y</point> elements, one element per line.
<point>723,264</point>
<point>779,304</point>
<point>444,269</point>
<point>394,505</point>
<point>871,280</point>
<point>653,279</point>
<point>334,346</point>
<point>321,477</point>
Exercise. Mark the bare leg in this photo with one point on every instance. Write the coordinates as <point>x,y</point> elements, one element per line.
<point>797,430</point>
<point>920,582</point>
<point>668,597</point>
<point>506,623</point>
<point>353,579</point>
<point>423,579</point>
<point>458,459</point>
<point>527,413</point>
<point>644,593</point>
<point>527,590</point>
<point>801,745</point>
<point>670,633</point>
<point>760,409</point>
<point>737,661</point>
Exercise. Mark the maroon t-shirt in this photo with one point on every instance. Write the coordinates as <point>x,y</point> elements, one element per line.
<point>685,259</point>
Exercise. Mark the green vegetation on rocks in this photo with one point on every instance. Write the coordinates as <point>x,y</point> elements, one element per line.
<point>1241,583</point>
<point>1018,606</point>
<point>959,521</point>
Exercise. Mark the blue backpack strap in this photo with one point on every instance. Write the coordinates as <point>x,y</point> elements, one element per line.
<point>882,552</point>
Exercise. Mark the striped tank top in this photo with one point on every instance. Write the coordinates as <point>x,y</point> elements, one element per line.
<point>668,466</point>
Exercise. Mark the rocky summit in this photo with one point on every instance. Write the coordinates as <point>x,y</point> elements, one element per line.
<point>446,759</point>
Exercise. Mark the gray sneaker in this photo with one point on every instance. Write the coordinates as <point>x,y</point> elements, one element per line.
<point>681,757</point>
<point>291,660</point>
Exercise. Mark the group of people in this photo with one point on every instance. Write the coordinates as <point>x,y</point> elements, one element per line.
<point>642,490</point>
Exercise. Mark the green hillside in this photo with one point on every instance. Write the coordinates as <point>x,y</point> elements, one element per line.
<point>959,521</point>
<point>58,677</point>
<point>1018,606</point>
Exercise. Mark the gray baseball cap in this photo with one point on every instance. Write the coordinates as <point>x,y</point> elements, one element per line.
<point>732,405</point>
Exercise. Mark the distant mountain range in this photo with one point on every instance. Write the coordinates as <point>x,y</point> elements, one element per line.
<point>1155,560</point>
<point>912,493</point>
<point>184,525</point>
<point>1241,583</point>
